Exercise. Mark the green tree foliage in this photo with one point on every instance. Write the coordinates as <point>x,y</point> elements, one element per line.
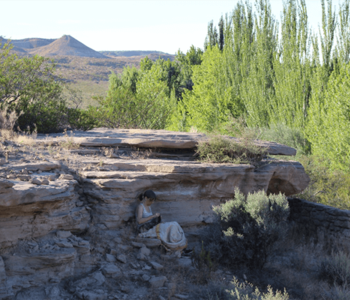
<point>328,128</point>
<point>210,101</point>
<point>137,99</point>
<point>29,87</point>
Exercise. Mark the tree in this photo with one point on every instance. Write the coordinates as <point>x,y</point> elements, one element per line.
<point>221,34</point>
<point>29,87</point>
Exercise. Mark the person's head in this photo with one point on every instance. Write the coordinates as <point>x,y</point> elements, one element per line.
<point>148,197</point>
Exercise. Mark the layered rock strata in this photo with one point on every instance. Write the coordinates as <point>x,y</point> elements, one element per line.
<point>64,213</point>
<point>185,192</point>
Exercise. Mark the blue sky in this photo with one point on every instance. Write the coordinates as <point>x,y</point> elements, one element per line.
<point>164,25</point>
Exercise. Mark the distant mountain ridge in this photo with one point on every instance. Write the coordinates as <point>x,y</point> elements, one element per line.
<point>129,53</point>
<point>69,46</point>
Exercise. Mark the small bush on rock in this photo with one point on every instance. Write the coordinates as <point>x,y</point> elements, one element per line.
<point>336,269</point>
<point>247,228</point>
<point>220,149</point>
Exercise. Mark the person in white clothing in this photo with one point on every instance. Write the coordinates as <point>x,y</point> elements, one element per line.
<point>149,225</point>
<point>144,217</point>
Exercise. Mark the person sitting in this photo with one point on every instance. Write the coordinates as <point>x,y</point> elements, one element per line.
<point>149,225</point>
<point>144,217</point>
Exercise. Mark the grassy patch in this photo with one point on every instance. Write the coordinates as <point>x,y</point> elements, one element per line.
<point>221,149</point>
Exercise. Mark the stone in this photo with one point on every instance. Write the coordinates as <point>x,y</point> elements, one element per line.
<point>52,292</point>
<point>114,252</point>
<point>51,177</point>
<point>185,262</point>
<point>92,295</point>
<point>180,296</point>
<point>137,245</point>
<point>35,181</point>
<point>111,270</point>
<point>63,234</point>
<point>110,258</point>
<point>64,244</point>
<point>122,258</point>
<point>2,161</point>
<point>157,282</point>
<point>94,279</point>
<point>66,177</point>
<point>144,253</point>
<point>146,277</point>
<point>24,177</point>
<point>124,247</point>
<point>156,265</point>
<point>45,181</point>
<point>34,166</point>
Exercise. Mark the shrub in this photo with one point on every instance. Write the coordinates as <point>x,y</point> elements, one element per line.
<point>203,263</point>
<point>247,291</point>
<point>327,186</point>
<point>337,293</point>
<point>336,269</point>
<point>81,119</point>
<point>247,228</point>
<point>220,149</point>
<point>292,137</point>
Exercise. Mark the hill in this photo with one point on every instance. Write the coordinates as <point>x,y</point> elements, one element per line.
<point>66,46</point>
<point>153,55</point>
<point>31,43</point>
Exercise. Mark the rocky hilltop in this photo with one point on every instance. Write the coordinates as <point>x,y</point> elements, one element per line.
<point>69,46</point>
<point>68,201</point>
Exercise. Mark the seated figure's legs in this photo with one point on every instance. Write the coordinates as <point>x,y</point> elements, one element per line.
<point>148,225</point>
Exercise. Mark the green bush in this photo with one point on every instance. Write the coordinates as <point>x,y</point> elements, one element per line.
<point>246,229</point>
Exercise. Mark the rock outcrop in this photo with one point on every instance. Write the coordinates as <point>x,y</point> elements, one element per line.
<point>185,192</point>
<point>65,209</point>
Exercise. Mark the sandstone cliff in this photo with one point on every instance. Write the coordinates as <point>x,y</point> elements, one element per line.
<point>67,202</point>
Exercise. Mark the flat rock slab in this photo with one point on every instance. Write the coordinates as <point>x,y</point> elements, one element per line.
<point>144,138</point>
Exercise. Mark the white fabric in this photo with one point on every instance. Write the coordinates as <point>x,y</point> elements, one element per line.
<point>145,213</point>
<point>170,233</point>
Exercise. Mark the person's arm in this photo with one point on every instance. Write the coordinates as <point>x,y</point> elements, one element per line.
<point>141,220</point>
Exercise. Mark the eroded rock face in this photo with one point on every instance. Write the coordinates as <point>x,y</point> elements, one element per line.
<point>185,192</point>
<point>63,215</point>
<point>30,211</point>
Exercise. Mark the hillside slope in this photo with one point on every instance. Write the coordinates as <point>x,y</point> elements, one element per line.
<point>31,43</point>
<point>66,46</point>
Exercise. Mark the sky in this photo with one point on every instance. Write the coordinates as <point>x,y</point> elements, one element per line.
<point>163,25</point>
